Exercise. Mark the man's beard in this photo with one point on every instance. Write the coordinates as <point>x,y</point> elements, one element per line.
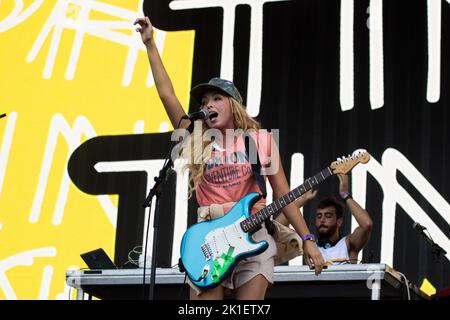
<point>327,232</point>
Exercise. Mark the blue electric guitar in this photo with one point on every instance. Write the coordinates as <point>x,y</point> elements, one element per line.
<point>211,249</point>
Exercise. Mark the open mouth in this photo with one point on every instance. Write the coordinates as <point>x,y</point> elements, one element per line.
<point>213,114</point>
<point>213,117</point>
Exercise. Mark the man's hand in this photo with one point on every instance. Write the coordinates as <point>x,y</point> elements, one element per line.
<point>145,29</point>
<point>310,194</point>
<point>312,256</point>
<point>343,182</point>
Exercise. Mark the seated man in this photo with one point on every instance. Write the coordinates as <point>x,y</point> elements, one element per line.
<point>330,217</point>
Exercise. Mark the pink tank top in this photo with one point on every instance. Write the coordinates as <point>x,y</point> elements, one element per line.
<point>228,174</point>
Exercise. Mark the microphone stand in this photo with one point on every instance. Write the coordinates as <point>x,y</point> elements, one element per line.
<point>436,250</point>
<point>156,192</point>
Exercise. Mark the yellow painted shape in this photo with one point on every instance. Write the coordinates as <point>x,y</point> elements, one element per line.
<point>36,248</point>
<point>427,287</point>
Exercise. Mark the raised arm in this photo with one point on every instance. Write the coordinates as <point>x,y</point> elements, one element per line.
<point>162,80</point>
<point>361,235</point>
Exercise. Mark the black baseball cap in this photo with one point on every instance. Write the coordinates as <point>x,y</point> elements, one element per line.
<point>224,86</point>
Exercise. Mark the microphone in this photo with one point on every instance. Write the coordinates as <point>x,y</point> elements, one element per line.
<point>418,226</point>
<point>436,250</point>
<point>203,114</point>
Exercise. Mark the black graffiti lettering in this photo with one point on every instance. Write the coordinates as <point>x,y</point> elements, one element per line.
<point>131,187</point>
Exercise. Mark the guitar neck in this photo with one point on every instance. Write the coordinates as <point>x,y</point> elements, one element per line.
<point>276,206</point>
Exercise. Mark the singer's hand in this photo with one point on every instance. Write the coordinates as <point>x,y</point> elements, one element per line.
<point>145,29</point>
<point>313,256</point>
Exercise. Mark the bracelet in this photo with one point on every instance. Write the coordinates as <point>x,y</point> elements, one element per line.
<point>345,195</point>
<point>309,236</point>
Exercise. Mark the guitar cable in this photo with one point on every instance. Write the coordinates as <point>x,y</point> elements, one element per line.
<point>203,275</point>
<point>182,286</point>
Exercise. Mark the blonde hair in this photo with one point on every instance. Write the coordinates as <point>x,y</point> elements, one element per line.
<point>196,160</point>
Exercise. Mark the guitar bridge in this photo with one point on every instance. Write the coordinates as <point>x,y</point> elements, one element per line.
<point>206,250</point>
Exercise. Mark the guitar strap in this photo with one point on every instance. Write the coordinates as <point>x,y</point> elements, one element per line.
<point>256,170</point>
<point>256,167</point>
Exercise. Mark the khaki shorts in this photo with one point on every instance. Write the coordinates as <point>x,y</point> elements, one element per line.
<point>250,267</point>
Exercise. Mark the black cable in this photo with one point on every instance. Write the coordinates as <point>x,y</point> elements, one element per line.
<point>182,287</point>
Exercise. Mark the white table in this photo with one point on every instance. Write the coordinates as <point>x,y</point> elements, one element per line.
<point>360,281</point>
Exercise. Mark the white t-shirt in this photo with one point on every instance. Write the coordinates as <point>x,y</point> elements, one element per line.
<point>335,254</point>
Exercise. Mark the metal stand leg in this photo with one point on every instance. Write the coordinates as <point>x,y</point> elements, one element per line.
<point>376,290</point>
<point>80,294</point>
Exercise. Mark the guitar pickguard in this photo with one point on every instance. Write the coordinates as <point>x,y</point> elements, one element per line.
<point>224,245</point>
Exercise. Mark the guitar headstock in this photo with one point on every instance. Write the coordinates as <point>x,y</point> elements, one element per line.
<point>345,164</point>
